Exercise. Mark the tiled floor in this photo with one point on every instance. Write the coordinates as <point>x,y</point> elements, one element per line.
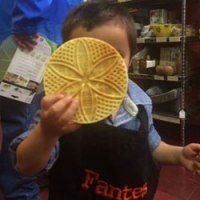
<point>178,184</point>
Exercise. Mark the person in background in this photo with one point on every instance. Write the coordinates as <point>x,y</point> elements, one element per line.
<point>25,20</point>
<point>5,18</point>
<point>57,111</point>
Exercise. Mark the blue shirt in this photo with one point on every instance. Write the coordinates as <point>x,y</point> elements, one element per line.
<point>27,17</point>
<point>123,119</point>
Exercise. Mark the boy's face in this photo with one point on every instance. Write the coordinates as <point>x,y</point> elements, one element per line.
<point>110,32</point>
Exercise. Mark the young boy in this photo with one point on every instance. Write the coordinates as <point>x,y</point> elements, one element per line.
<point>112,24</point>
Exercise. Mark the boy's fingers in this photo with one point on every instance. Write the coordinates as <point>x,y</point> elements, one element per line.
<point>195,147</point>
<point>59,107</point>
<point>49,100</point>
<point>192,150</point>
<point>196,167</point>
<point>69,113</point>
<point>198,158</point>
<point>71,127</point>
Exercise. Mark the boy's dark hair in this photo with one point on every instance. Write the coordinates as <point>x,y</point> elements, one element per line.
<point>92,14</point>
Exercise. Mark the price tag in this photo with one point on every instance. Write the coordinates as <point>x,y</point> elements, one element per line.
<point>150,63</point>
<point>172,78</point>
<point>140,40</point>
<point>174,39</point>
<point>156,77</point>
<point>150,40</point>
<point>161,39</point>
<point>182,114</point>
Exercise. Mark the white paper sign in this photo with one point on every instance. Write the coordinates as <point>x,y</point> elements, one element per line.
<point>25,72</point>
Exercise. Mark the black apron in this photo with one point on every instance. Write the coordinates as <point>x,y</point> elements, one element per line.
<point>104,162</point>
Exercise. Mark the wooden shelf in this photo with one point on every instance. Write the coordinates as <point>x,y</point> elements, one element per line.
<point>150,40</point>
<point>154,77</point>
<point>187,78</point>
<point>176,78</point>
<point>166,118</point>
<point>148,3</point>
<point>192,115</point>
<point>152,3</point>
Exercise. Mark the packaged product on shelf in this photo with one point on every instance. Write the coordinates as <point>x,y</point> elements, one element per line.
<point>171,17</point>
<point>147,31</point>
<point>158,16</point>
<point>138,28</point>
<point>165,70</point>
<point>165,99</point>
<point>177,28</point>
<point>147,66</point>
<point>170,59</point>
<point>136,59</point>
<point>162,30</point>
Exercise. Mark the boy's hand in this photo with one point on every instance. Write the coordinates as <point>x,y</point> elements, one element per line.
<point>26,41</point>
<point>57,114</point>
<point>190,157</point>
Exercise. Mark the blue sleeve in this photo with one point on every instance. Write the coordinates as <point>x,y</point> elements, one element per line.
<point>140,97</point>
<point>14,144</point>
<point>154,137</point>
<point>28,14</point>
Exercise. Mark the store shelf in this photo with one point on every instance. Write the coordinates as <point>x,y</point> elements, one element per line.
<point>166,118</point>
<point>188,60</point>
<point>152,3</point>
<point>192,113</point>
<point>176,78</point>
<point>149,40</point>
<point>148,3</point>
<point>154,77</point>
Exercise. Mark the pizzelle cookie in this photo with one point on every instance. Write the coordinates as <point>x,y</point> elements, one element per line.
<point>93,72</point>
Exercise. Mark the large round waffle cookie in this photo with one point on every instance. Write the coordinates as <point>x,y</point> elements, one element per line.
<point>93,72</point>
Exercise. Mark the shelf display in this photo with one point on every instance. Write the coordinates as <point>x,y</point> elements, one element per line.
<point>174,39</point>
<point>169,44</point>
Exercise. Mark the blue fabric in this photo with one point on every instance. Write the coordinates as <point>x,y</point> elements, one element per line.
<point>123,119</point>
<point>19,139</point>
<point>44,17</point>
<point>29,17</point>
<point>16,117</point>
<point>5,18</point>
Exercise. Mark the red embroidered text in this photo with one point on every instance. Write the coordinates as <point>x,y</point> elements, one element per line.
<point>110,192</point>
